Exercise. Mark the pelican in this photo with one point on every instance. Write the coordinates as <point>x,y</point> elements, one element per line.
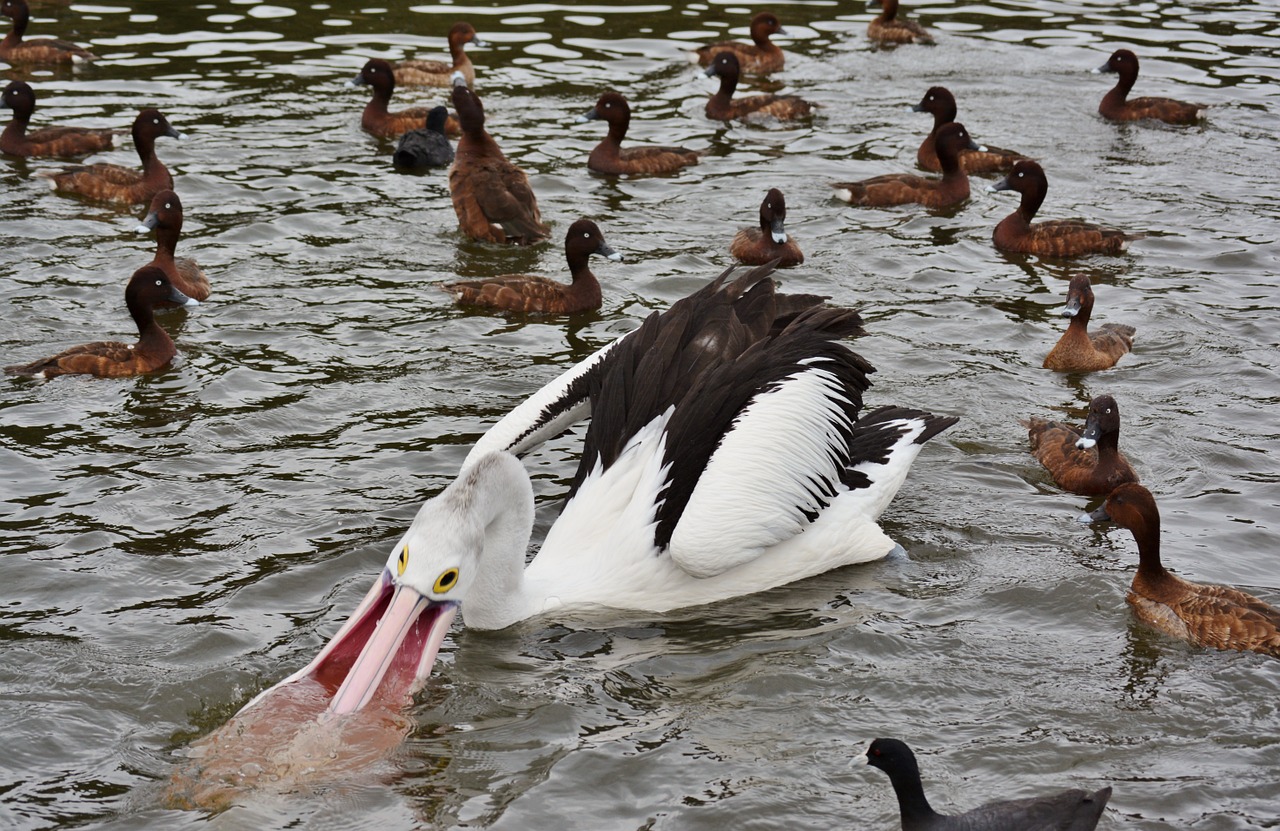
<point>725,455</point>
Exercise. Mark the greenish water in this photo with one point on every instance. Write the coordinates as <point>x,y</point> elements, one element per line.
<point>173,544</point>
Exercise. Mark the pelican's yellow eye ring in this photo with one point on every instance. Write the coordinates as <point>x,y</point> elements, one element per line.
<point>447,580</point>
<point>403,560</point>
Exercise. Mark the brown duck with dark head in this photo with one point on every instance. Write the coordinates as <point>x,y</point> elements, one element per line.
<point>941,104</point>
<point>761,56</point>
<point>533,293</point>
<point>1079,350</point>
<point>908,188</point>
<point>491,196</point>
<point>122,185</point>
<point>15,50</point>
<point>377,118</point>
<point>1090,462</point>
<point>1117,106</point>
<point>108,359</point>
<point>609,156</point>
<point>769,241</point>
<point>165,218</point>
<point>1206,615</point>
<point>47,141</point>
<point>1051,238</point>
<point>424,73</point>
<point>722,106</point>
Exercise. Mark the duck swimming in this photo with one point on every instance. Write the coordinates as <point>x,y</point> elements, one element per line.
<point>1079,350</point>
<point>1090,462</point>
<point>165,218</point>
<point>722,106</point>
<point>769,241</point>
<point>422,73</point>
<point>491,196</point>
<point>531,293</point>
<point>941,104</point>
<point>726,454</point>
<point>105,182</point>
<point>761,56</point>
<point>610,157</point>
<point>1117,106</point>
<point>1051,238</point>
<point>888,28</point>
<point>1205,615</point>
<point>147,288</point>
<point>377,118</point>
<point>1071,810</point>
<point>908,188</point>
<point>15,50</point>
<point>47,141</point>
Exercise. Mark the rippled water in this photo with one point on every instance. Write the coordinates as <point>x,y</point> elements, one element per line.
<point>175,543</point>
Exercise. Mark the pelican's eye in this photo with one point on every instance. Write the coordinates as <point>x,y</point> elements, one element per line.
<point>403,560</point>
<point>447,580</point>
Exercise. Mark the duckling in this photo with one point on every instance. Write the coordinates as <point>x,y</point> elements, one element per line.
<point>165,218</point>
<point>47,141</point>
<point>907,188</point>
<point>425,148</point>
<point>1079,350</point>
<point>147,287</point>
<point>1116,106</point>
<point>1070,810</point>
<point>1219,616</point>
<point>610,157</point>
<point>1088,463</point>
<point>532,293</point>
<point>1051,238</point>
<point>768,242</point>
<point>420,73</point>
<point>15,50</point>
<point>887,28</point>
<point>722,106</point>
<point>112,183</point>
<point>377,119</point>
<point>761,56</point>
<point>491,196</point>
<point>941,104</point>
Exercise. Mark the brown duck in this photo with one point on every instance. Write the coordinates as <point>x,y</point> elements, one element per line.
<point>15,50</point>
<point>164,216</point>
<point>1117,106</point>
<point>1052,238</point>
<point>1088,463</point>
<point>377,118</point>
<point>123,185</point>
<point>722,106</point>
<point>422,73</point>
<point>1219,616</point>
<point>908,188</point>
<point>761,56</point>
<point>1079,350</point>
<point>941,104</point>
<point>491,196</point>
<point>47,141</point>
<point>108,359</point>
<point>609,156</point>
<point>769,241</point>
<point>887,28</point>
<point>532,293</point>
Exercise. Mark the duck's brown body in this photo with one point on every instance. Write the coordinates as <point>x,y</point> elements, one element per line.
<point>109,359</point>
<point>1206,615</point>
<point>610,157</point>
<point>426,73</point>
<point>1079,350</point>
<point>1090,462</point>
<point>887,28</point>
<point>722,106</point>
<point>1117,106</point>
<point>1053,238</point>
<point>122,185</point>
<point>939,102</point>
<point>61,142</point>
<point>761,56</point>
<point>165,218</point>
<point>40,51</point>
<point>908,188</point>
<point>491,196</point>
<point>537,294</point>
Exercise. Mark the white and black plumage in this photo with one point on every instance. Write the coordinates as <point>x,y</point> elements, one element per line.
<point>724,456</point>
<point>425,147</point>
<point>1070,810</point>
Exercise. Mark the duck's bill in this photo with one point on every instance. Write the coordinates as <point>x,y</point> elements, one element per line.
<point>385,650</point>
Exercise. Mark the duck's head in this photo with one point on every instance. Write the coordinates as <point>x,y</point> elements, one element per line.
<point>1104,417</point>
